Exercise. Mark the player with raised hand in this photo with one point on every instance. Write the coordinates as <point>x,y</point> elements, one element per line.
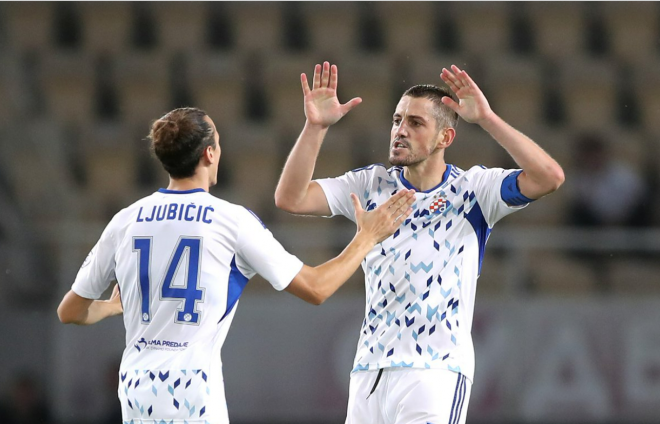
<point>415,357</point>
<point>181,258</point>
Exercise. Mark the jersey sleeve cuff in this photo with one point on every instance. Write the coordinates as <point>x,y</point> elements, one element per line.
<point>84,293</point>
<point>510,191</point>
<point>326,186</point>
<point>294,268</point>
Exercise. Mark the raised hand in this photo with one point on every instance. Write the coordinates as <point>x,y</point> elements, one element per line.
<point>322,106</point>
<point>472,105</point>
<point>383,221</point>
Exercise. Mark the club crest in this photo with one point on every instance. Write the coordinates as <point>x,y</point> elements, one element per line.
<point>439,205</point>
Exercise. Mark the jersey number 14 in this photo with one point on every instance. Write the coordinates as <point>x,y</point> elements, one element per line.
<point>188,294</point>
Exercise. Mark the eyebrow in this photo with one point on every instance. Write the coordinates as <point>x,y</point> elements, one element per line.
<point>411,116</point>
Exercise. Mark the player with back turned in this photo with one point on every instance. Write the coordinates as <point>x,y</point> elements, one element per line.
<point>415,357</point>
<point>181,258</point>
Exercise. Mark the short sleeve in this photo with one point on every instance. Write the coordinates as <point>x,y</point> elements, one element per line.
<point>492,188</point>
<point>98,269</point>
<point>338,191</point>
<point>259,252</point>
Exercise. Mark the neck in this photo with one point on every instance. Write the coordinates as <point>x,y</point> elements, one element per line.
<point>191,183</point>
<point>425,175</point>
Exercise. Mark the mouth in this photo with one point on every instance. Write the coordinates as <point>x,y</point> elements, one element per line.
<point>398,145</point>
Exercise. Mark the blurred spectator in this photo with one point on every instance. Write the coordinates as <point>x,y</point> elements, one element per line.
<point>605,191</point>
<point>25,403</point>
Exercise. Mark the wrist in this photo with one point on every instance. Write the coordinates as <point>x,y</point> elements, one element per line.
<point>363,238</point>
<point>312,127</point>
<point>489,120</point>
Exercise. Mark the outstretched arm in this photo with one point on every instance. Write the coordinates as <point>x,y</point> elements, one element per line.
<point>75,309</point>
<point>541,174</point>
<point>316,284</point>
<point>296,192</point>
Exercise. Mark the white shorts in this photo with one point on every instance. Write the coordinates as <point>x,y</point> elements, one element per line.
<point>408,396</point>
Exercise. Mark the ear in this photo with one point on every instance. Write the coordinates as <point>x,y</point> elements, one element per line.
<point>211,155</point>
<point>447,137</point>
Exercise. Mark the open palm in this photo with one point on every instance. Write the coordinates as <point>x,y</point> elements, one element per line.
<point>322,107</point>
<point>472,105</point>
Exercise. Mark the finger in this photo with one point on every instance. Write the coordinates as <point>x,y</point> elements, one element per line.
<point>403,217</point>
<point>469,80</point>
<point>404,203</point>
<point>452,85</point>
<point>333,77</point>
<point>461,75</point>
<point>448,101</point>
<point>325,75</point>
<point>395,198</point>
<point>451,77</point>
<point>349,105</point>
<point>305,84</point>
<point>356,204</point>
<point>317,76</point>
<point>401,208</point>
<point>395,201</point>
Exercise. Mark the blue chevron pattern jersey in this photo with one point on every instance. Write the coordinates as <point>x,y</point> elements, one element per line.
<point>421,281</point>
<point>182,259</point>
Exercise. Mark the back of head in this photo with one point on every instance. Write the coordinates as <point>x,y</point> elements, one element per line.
<point>179,138</point>
<point>444,116</point>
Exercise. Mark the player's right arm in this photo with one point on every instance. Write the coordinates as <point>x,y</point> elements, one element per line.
<point>316,284</point>
<point>296,192</point>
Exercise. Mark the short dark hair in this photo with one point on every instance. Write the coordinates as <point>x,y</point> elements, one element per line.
<point>444,116</point>
<point>179,138</point>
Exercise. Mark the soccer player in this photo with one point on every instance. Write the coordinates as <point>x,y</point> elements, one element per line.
<point>181,258</point>
<point>415,357</point>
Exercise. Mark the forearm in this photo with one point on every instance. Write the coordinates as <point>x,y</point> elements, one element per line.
<point>99,310</point>
<point>78,310</point>
<point>323,281</point>
<point>299,168</point>
<point>538,166</point>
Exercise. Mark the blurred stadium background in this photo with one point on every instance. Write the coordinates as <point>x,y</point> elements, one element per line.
<point>567,323</point>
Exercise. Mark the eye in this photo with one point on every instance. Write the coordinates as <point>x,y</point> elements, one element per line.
<point>396,121</point>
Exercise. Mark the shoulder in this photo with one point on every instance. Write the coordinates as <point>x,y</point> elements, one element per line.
<point>482,171</point>
<point>239,213</point>
<point>373,168</point>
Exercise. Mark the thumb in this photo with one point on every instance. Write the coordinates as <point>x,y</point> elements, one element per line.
<point>448,101</point>
<point>356,205</point>
<point>349,105</point>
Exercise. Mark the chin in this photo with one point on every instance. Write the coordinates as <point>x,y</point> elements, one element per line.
<point>401,161</point>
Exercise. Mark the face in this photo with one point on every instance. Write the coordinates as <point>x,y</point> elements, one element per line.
<point>214,154</point>
<point>415,134</point>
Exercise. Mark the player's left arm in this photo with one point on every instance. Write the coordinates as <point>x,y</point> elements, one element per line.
<point>75,309</point>
<point>541,174</point>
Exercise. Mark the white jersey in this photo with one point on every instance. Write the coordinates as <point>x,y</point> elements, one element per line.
<point>182,259</point>
<point>421,281</point>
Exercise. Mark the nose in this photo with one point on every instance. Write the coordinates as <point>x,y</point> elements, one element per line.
<point>401,130</point>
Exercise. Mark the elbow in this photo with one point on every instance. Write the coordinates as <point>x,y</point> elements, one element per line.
<point>317,299</point>
<point>65,318</point>
<point>557,178</point>
<point>281,202</point>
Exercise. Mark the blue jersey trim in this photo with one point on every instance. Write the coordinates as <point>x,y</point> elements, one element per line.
<point>409,186</point>
<point>476,218</point>
<point>258,219</point>
<point>236,284</point>
<point>510,191</point>
<point>194,190</point>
